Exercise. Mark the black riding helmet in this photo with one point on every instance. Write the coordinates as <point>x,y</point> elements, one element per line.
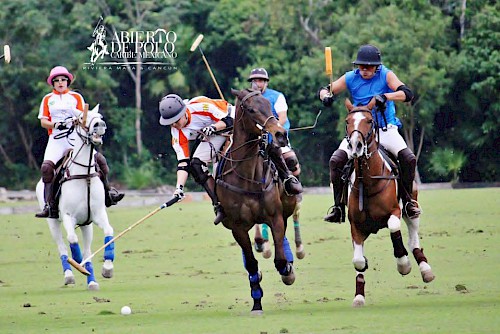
<point>368,55</point>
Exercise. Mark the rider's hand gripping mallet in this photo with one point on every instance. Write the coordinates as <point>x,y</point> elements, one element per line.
<point>6,53</point>
<point>79,266</point>
<point>196,44</point>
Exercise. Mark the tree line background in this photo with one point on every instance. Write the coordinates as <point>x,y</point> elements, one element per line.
<point>446,51</point>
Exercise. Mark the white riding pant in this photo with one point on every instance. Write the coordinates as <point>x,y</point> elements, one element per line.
<point>207,150</point>
<point>390,139</point>
<point>56,147</point>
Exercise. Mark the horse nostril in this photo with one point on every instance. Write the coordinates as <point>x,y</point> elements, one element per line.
<point>359,146</point>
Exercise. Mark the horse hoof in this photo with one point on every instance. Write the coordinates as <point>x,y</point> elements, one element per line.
<point>69,278</point>
<point>404,265</point>
<point>107,269</point>
<point>300,252</point>
<point>93,286</point>
<point>256,312</point>
<point>259,247</point>
<point>426,271</point>
<point>266,254</point>
<point>290,278</point>
<point>359,301</point>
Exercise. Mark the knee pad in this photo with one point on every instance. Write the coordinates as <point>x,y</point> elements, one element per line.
<point>406,156</point>
<point>102,163</point>
<point>292,163</point>
<point>338,160</point>
<point>199,170</point>
<point>48,169</point>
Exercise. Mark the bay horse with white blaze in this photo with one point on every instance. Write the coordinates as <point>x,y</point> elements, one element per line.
<point>373,201</point>
<point>81,199</point>
<point>249,189</point>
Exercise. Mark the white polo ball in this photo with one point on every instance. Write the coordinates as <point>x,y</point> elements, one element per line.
<point>126,310</point>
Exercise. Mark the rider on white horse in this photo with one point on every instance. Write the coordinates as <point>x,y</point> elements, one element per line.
<point>58,111</point>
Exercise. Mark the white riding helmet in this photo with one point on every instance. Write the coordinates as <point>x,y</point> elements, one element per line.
<point>172,108</point>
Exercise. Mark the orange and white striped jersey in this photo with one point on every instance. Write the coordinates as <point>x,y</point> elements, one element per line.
<point>201,112</point>
<point>57,107</point>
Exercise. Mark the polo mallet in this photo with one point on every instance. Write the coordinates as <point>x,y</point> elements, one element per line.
<point>6,53</point>
<point>308,127</point>
<point>196,44</point>
<point>79,266</point>
<point>328,65</point>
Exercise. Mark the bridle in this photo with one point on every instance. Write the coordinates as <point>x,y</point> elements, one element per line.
<point>368,139</point>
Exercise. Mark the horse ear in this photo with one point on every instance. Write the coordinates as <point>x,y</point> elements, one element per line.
<point>235,92</point>
<point>348,104</point>
<point>372,103</point>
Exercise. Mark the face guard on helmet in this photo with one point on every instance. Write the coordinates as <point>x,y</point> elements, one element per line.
<point>368,55</point>
<point>172,108</point>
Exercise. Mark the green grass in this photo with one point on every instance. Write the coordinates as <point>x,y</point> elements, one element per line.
<point>181,274</point>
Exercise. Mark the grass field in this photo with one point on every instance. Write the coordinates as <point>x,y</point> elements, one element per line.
<point>181,274</point>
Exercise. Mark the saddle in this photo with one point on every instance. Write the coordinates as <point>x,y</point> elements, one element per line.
<point>349,169</point>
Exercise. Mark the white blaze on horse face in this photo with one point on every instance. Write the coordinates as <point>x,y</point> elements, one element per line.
<point>356,142</point>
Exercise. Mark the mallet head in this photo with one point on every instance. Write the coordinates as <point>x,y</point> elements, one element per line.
<point>196,42</point>
<point>6,53</point>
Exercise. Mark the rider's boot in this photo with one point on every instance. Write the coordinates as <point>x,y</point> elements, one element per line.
<point>111,195</point>
<point>209,187</point>
<point>50,209</point>
<point>290,182</point>
<point>337,162</point>
<point>408,164</point>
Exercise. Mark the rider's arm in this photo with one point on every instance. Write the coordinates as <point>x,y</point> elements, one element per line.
<point>281,109</point>
<point>394,83</point>
<point>46,124</point>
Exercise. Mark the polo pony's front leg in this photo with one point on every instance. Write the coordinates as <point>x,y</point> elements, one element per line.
<point>400,253</point>
<point>283,264</point>
<point>418,252</point>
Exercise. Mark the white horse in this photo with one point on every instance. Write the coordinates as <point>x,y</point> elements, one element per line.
<point>82,200</point>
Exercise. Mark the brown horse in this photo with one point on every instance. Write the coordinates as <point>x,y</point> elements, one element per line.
<point>249,189</point>
<point>373,200</point>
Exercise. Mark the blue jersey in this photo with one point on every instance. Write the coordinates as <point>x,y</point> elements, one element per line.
<point>272,96</point>
<point>363,90</point>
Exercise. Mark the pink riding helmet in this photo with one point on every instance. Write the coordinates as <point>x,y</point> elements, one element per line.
<point>59,70</point>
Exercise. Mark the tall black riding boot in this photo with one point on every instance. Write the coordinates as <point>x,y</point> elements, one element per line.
<point>337,162</point>
<point>408,164</point>
<point>111,195</point>
<point>290,182</point>
<point>50,209</point>
<point>209,187</point>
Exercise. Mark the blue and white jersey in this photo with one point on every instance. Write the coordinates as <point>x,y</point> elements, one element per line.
<point>363,90</point>
<point>278,102</point>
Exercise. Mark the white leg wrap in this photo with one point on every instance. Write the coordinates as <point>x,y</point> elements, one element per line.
<point>358,259</point>
<point>413,238</point>
<point>394,224</point>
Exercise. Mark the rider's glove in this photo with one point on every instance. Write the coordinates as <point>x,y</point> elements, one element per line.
<point>60,126</point>
<point>380,101</point>
<point>328,99</point>
<point>179,193</point>
<point>209,130</point>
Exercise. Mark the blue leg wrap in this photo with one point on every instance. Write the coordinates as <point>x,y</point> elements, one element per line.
<point>65,263</point>
<point>76,253</point>
<point>256,290</point>
<point>90,268</point>
<point>265,233</point>
<point>287,250</point>
<point>109,251</point>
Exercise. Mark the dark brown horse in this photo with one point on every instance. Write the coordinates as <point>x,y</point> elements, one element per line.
<point>249,189</point>
<point>373,200</point>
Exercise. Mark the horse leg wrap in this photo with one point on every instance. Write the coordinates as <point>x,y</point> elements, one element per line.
<point>90,269</point>
<point>255,289</point>
<point>287,250</point>
<point>360,285</point>
<point>296,228</point>
<point>109,250</point>
<point>76,253</point>
<point>358,264</point>
<point>418,253</point>
<point>265,232</point>
<point>65,263</point>
<point>397,244</point>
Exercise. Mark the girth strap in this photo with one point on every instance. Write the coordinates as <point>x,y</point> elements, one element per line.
<point>260,193</point>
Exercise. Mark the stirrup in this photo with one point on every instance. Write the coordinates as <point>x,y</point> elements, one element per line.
<point>113,197</point>
<point>219,214</point>
<point>336,215</point>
